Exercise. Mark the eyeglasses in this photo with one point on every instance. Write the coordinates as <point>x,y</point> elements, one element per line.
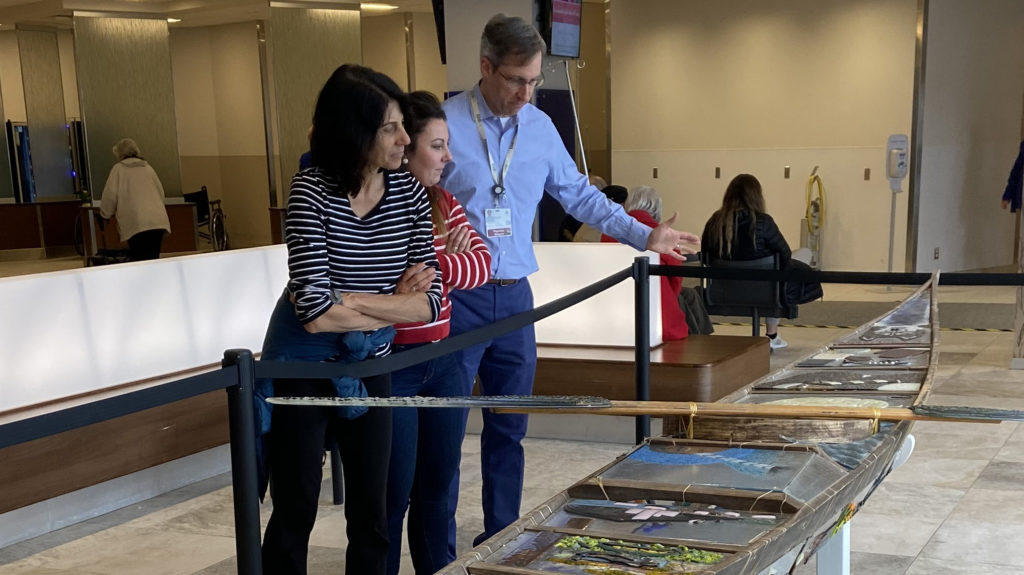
<point>518,82</point>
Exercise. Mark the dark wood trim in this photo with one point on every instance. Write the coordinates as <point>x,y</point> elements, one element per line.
<point>45,468</point>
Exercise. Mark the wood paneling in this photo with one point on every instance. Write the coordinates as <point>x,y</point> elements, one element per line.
<point>277,225</point>
<point>19,227</point>
<point>38,470</point>
<point>58,219</point>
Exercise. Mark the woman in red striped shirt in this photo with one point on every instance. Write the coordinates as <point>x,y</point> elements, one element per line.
<point>426,443</point>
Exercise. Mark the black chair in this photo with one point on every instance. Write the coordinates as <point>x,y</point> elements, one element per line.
<point>754,298</point>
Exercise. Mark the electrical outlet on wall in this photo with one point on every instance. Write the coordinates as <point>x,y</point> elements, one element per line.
<point>936,256</point>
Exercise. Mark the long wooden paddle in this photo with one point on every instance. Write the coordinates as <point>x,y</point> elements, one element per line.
<point>600,406</point>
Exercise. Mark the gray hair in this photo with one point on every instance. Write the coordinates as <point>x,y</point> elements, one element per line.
<point>126,148</point>
<point>510,37</point>
<point>644,198</point>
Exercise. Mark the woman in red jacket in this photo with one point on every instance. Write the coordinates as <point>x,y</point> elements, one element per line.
<point>644,204</point>
<point>426,443</point>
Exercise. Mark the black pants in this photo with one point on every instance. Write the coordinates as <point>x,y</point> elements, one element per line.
<point>145,245</point>
<point>296,445</point>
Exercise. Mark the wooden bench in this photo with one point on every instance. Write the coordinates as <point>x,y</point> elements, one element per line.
<point>698,368</point>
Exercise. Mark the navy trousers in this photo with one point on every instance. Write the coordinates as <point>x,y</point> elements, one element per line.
<point>505,366</point>
<point>426,445</point>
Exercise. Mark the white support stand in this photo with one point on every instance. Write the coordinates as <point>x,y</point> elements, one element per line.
<point>833,558</point>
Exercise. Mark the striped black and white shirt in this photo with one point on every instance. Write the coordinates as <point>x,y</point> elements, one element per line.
<point>330,248</point>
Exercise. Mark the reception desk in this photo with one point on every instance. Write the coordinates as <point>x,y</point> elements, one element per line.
<point>48,227</point>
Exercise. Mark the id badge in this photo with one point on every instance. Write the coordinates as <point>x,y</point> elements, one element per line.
<point>499,222</point>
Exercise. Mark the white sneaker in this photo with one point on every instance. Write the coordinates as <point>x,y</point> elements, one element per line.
<point>777,343</point>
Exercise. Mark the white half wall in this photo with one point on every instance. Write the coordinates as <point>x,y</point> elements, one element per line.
<point>603,320</point>
<point>132,321</point>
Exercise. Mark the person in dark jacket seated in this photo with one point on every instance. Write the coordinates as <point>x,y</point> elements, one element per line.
<point>742,230</point>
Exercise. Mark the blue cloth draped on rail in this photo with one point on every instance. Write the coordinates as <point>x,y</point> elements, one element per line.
<point>1015,182</point>
<point>288,340</point>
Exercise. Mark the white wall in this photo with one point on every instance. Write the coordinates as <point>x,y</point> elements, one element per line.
<point>755,85</point>
<point>195,111</point>
<point>238,89</point>
<point>464,22</point>
<point>430,74</point>
<point>384,46</point>
<point>221,133</point>
<point>384,50</point>
<point>974,80</point>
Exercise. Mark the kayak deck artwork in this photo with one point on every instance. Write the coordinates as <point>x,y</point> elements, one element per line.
<point>738,494</point>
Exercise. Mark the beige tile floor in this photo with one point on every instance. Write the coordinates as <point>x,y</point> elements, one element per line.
<point>956,507</point>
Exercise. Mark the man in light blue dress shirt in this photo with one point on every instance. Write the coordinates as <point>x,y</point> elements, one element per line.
<point>506,154</point>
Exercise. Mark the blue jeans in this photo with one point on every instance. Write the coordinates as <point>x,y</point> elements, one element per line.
<point>425,452</point>
<point>505,366</point>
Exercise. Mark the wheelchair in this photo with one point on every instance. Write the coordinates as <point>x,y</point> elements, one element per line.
<point>209,215</point>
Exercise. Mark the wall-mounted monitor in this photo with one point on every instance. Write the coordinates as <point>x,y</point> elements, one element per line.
<point>560,25</point>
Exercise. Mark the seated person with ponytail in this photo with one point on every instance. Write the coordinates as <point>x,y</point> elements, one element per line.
<point>742,230</point>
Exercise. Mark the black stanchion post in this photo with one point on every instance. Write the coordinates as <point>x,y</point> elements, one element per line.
<point>642,328</point>
<point>243,462</point>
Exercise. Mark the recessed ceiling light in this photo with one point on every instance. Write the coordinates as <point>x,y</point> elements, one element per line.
<point>377,7</point>
<point>173,20</point>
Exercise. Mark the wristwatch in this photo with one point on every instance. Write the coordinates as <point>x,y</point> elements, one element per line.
<point>336,297</point>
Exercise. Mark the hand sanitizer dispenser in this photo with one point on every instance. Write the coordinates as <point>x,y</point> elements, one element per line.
<point>897,161</point>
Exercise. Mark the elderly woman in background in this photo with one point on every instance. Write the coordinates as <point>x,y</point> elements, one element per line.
<point>134,195</point>
<point>644,204</point>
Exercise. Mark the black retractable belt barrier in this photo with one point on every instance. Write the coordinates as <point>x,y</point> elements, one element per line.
<point>876,278</point>
<point>642,332</point>
<point>36,425</point>
<point>243,462</point>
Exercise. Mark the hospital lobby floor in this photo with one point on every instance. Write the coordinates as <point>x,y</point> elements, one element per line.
<point>955,507</point>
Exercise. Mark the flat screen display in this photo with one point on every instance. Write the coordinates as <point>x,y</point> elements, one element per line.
<point>564,32</point>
